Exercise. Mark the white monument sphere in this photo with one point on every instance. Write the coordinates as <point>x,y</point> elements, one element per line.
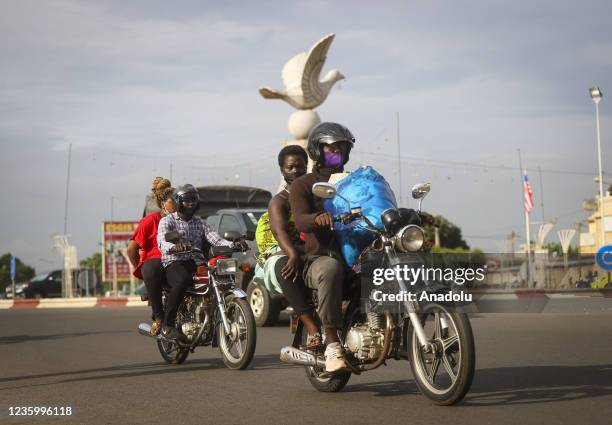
<point>301,122</point>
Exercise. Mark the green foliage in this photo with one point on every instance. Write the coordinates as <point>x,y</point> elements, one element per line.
<point>450,234</point>
<point>93,262</point>
<point>555,249</point>
<point>458,257</point>
<point>23,272</point>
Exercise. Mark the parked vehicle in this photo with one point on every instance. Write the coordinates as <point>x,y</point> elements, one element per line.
<point>437,342</point>
<point>241,221</point>
<point>213,312</point>
<point>266,304</point>
<point>44,285</point>
<point>19,288</point>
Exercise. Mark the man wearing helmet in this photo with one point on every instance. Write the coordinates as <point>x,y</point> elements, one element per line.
<point>179,264</point>
<point>329,146</point>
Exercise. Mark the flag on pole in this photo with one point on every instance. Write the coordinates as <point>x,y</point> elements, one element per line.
<point>527,193</point>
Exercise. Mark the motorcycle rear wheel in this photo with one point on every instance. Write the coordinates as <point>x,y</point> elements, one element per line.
<point>171,352</point>
<point>238,348</point>
<point>454,355</point>
<point>321,380</point>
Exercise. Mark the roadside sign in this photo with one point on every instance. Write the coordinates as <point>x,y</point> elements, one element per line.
<point>604,257</point>
<point>12,267</point>
<point>115,239</point>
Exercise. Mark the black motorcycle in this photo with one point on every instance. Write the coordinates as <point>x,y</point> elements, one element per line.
<point>436,340</point>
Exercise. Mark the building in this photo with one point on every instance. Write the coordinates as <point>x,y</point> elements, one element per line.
<point>591,241</point>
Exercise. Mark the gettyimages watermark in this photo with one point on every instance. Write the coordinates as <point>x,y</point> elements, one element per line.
<point>481,282</point>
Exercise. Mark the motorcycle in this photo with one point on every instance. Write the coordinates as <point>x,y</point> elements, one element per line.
<point>213,312</point>
<point>436,340</point>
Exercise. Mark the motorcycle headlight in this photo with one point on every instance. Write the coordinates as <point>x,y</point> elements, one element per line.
<point>410,238</point>
<point>228,266</point>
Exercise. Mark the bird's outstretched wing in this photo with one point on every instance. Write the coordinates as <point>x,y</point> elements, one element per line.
<point>311,88</point>
<point>268,93</point>
<point>292,74</point>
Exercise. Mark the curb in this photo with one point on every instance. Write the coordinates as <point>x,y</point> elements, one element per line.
<point>85,302</point>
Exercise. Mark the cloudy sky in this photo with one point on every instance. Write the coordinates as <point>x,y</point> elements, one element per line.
<point>137,87</point>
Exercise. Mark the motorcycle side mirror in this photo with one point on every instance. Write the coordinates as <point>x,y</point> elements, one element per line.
<point>327,191</point>
<point>324,190</point>
<point>420,190</point>
<point>231,236</point>
<point>250,235</point>
<point>173,237</point>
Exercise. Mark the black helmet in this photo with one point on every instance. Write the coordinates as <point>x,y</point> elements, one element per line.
<point>186,194</point>
<point>328,133</point>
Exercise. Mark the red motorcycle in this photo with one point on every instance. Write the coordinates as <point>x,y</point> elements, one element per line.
<point>213,312</point>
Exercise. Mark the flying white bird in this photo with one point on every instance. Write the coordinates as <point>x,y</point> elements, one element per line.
<point>303,90</point>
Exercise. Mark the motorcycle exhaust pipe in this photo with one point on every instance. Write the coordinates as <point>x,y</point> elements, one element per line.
<point>292,355</point>
<point>145,329</point>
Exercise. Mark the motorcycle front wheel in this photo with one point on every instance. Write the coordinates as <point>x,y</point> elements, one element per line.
<point>238,347</point>
<point>444,374</point>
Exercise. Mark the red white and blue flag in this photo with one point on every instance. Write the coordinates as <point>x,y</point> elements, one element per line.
<point>527,193</point>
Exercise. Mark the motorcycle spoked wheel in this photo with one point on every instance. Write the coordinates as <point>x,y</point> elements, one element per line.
<point>238,347</point>
<point>171,352</point>
<point>444,376</point>
<point>321,380</point>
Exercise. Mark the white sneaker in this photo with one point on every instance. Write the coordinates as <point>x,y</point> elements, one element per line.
<point>334,357</point>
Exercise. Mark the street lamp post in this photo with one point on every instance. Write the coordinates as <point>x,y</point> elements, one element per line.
<point>596,95</point>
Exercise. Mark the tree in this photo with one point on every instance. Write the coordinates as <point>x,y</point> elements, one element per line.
<point>93,262</point>
<point>23,272</point>
<point>450,234</point>
<point>555,249</point>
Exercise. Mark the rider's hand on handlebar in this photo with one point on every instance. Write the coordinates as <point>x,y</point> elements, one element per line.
<point>180,247</point>
<point>324,220</point>
<point>241,244</point>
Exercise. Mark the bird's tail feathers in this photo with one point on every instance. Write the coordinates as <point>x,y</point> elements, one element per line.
<point>269,93</point>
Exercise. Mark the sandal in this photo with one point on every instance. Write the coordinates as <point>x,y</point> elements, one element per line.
<point>313,342</point>
<point>155,327</point>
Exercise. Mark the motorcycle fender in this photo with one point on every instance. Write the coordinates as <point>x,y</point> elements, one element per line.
<point>236,293</point>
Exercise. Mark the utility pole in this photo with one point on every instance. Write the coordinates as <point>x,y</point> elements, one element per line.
<point>399,164</point>
<point>541,193</point>
<point>66,272</point>
<point>67,190</point>
<point>596,95</point>
<point>113,250</point>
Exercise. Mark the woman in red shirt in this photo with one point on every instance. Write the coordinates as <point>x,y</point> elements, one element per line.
<point>144,253</point>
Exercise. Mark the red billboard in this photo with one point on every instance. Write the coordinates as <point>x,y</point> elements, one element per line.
<point>115,238</point>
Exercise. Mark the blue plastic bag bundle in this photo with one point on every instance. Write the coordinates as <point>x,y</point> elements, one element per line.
<point>369,190</point>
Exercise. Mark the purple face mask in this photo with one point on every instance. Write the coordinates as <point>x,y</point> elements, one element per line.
<point>333,159</point>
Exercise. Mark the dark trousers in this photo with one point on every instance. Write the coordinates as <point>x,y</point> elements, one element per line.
<point>180,277</point>
<point>296,293</point>
<point>154,277</point>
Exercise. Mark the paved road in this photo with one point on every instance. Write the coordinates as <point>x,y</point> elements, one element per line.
<point>535,369</point>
